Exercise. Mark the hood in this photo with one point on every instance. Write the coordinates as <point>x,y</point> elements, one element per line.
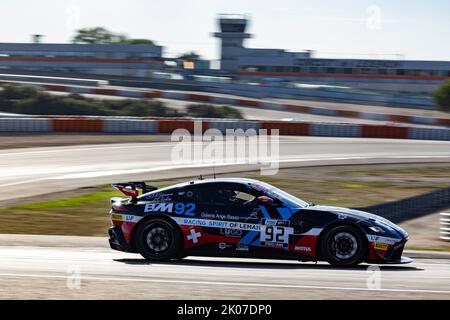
<point>358,215</point>
<point>350,212</point>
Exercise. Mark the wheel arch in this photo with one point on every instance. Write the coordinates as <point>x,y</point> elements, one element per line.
<point>339,223</point>
<point>147,218</point>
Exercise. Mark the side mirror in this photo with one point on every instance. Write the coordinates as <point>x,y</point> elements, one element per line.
<point>265,200</point>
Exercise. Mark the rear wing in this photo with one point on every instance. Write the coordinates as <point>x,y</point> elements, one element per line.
<point>130,189</point>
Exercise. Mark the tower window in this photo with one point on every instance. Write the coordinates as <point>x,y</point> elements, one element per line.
<point>227,27</point>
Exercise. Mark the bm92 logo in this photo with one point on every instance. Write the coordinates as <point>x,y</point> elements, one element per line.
<point>180,208</point>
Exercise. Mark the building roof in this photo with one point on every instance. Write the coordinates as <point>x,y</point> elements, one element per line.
<point>78,47</point>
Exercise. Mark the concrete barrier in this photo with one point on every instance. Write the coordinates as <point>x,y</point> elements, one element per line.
<point>373,116</point>
<point>25,125</point>
<point>297,108</point>
<point>334,130</point>
<point>198,97</point>
<point>154,125</point>
<point>77,125</point>
<point>131,94</point>
<point>223,125</point>
<point>130,126</point>
<point>81,90</point>
<point>272,106</point>
<point>174,95</point>
<point>424,120</point>
<point>169,125</point>
<point>322,111</point>
<point>384,131</point>
<point>429,134</point>
<point>287,128</point>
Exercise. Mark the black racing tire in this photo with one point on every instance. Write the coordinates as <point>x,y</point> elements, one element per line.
<point>159,240</point>
<point>343,246</point>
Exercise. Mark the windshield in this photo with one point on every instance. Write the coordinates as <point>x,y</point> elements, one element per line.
<point>276,193</point>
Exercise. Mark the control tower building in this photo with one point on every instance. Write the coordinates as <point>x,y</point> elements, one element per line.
<point>232,35</point>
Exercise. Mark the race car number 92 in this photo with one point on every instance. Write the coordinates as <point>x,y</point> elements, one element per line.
<point>275,234</point>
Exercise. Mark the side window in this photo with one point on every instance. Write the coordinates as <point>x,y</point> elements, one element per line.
<point>188,194</point>
<point>230,195</point>
<point>243,196</point>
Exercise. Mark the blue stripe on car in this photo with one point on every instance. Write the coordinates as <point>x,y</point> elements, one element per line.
<point>249,237</point>
<point>285,213</point>
<point>264,211</point>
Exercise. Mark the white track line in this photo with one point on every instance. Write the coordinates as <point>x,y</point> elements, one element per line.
<point>113,146</point>
<point>241,284</point>
<point>105,173</point>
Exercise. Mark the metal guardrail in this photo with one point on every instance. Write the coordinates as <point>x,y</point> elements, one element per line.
<point>445,226</point>
<point>25,79</point>
<point>413,207</point>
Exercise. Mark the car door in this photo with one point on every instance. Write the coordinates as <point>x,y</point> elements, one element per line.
<point>264,222</point>
<point>231,201</point>
<point>276,229</point>
<point>235,206</point>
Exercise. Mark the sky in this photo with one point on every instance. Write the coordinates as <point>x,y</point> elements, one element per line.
<point>415,30</point>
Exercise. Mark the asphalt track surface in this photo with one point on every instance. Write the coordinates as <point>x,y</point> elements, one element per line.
<point>250,113</point>
<point>320,102</point>
<point>37,272</point>
<point>28,172</point>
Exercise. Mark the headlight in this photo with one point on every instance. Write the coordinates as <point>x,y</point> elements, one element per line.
<point>376,229</point>
<point>381,228</point>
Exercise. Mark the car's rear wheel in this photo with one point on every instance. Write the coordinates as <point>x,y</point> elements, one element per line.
<point>159,240</point>
<point>343,246</point>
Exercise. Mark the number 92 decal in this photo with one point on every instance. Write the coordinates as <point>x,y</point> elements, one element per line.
<point>275,234</point>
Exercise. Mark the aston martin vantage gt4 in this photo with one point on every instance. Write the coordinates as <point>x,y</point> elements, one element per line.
<point>236,217</point>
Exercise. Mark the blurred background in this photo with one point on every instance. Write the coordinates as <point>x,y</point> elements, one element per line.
<point>90,92</point>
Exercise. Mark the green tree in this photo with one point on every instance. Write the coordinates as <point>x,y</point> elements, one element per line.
<point>139,41</point>
<point>199,110</point>
<point>442,96</point>
<point>189,56</point>
<point>15,92</point>
<point>104,36</point>
<point>98,35</point>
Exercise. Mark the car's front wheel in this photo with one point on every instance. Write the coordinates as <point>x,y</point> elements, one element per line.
<point>343,246</point>
<point>159,240</point>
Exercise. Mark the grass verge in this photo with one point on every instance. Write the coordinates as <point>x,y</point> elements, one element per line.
<point>87,214</point>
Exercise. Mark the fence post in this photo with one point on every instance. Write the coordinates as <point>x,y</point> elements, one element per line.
<point>445,226</point>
